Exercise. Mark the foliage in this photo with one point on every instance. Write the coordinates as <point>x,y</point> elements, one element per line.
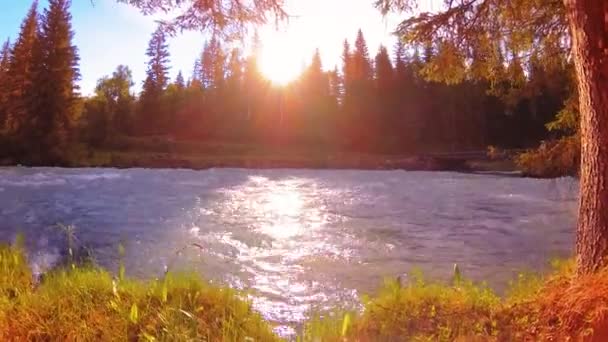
<point>520,48</point>
<point>42,107</point>
<point>230,19</point>
<point>567,120</point>
<point>55,108</point>
<point>554,158</point>
<point>109,112</point>
<point>20,75</point>
<point>488,32</point>
<point>378,104</point>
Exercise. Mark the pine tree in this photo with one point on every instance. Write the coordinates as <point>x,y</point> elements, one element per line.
<point>234,80</point>
<point>336,84</point>
<point>384,69</point>
<point>361,62</point>
<point>179,81</point>
<point>384,83</point>
<point>5,60</point>
<point>195,80</point>
<point>55,105</point>
<point>20,77</point>
<point>316,93</point>
<point>158,54</point>
<point>399,57</point>
<point>212,65</point>
<point>361,91</point>
<point>235,70</point>
<point>347,77</point>
<point>151,117</point>
<point>253,77</point>
<point>315,76</point>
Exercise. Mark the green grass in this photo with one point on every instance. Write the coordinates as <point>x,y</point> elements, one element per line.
<point>85,303</point>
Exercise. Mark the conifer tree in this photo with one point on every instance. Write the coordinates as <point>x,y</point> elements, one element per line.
<point>383,70</point>
<point>361,62</point>
<point>151,117</point>
<point>235,70</point>
<point>361,88</point>
<point>399,58</point>
<point>179,81</point>
<point>384,84</point>
<point>55,105</point>
<point>317,100</point>
<point>347,78</point>
<point>20,78</point>
<point>234,88</point>
<point>5,59</point>
<point>195,80</point>
<point>253,77</point>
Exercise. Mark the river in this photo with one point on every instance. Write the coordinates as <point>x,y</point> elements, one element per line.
<point>299,240</point>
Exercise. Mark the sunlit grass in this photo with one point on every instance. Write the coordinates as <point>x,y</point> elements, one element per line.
<point>88,304</point>
<point>555,307</point>
<point>85,303</point>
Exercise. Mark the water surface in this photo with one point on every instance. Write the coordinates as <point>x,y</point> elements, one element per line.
<point>298,239</point>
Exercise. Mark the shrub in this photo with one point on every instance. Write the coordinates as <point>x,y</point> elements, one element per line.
<point>554,158</point>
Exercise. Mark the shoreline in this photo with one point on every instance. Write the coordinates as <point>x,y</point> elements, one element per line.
<point>127,160</point>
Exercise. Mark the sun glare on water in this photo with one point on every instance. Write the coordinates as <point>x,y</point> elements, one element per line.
<point>280,60</point>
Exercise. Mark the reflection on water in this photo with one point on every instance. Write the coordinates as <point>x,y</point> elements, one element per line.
<point>297,240</point>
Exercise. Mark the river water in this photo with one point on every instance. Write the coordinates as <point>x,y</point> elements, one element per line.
<point>299,240</point>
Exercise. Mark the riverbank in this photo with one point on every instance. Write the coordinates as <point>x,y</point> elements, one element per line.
<point>163,153</point>
<point>87,303</point>
<point>337,162</point>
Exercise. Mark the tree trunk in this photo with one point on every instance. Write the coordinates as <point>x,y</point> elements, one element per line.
<point>589,30</point>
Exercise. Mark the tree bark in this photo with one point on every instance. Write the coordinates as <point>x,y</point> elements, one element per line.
<point>588,21</point>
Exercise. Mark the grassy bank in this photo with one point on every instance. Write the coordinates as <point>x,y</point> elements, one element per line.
<point>160,152</point>
<point>84,303</point>
<point>87,304</point>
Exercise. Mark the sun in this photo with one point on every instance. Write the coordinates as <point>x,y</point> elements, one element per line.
<point>280,60</point>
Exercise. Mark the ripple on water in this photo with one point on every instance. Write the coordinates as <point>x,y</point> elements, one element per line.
<point>296,240</point>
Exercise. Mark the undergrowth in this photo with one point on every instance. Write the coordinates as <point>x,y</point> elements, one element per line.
<point>555,158</point>
<point>85,303</point>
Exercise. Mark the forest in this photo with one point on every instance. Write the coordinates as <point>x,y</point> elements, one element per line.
<point>475,75</point>
<point>389,103</point>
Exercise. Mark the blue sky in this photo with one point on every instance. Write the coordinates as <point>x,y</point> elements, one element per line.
<point>108,34</point>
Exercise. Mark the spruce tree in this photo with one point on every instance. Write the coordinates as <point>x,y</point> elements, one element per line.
<point>151,115</point>
<point>362,90</point>
<point>253,77</point>
<point>235,70</point>
<point>384,83</point>
<point>158,53</point>
<point>55,105</point>
<point>347,77</point>
<point>5,59</point>
<point>234,87</point>
<point>317,95</point>
<point>361,62</point>
<point>384,69</point>
<point>399,57</point>
<point>179,81</point>
<point>20,76</point>
<point>212,65</point>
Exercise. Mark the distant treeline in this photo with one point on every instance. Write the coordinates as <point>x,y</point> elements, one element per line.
<point>385,104</point>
